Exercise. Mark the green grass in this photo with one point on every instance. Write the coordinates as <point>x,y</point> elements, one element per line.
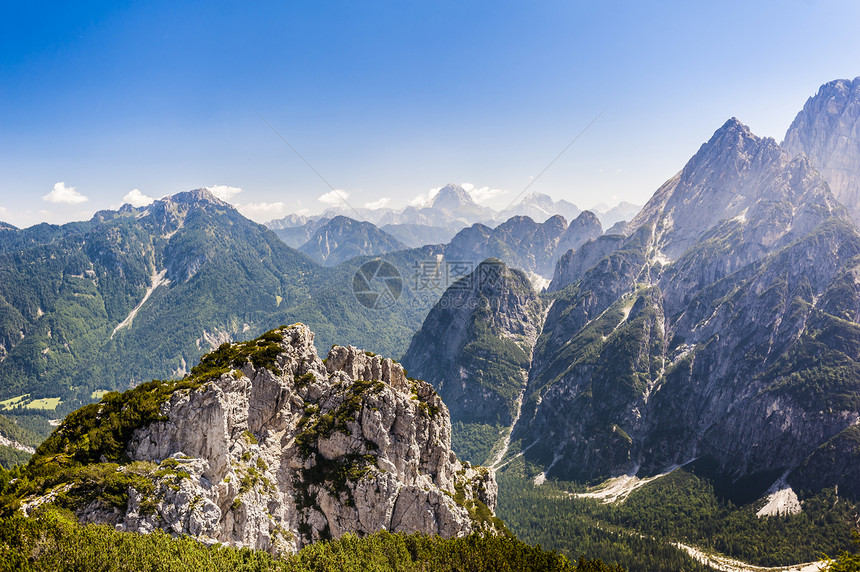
<point>12,402</point>
<point>45,403</point>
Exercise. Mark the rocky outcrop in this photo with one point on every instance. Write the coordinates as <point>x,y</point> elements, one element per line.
<point>276,455</point>
<point>583,228</point>
<point>827,130</point>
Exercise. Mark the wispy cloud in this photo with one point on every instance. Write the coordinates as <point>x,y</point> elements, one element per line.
<point>425,199</point>
<point>335,197</point>
<point>483,195</point>
<point>137,199</point>
<point>65,195</point>
<point>224,192</point>
<point>263,212</point>
<point>378,204</point>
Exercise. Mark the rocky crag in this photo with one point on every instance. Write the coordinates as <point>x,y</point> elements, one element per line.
<point>827,130</point>
<point>266,445</point>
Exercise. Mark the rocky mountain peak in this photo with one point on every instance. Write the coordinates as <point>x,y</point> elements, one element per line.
<point>539,199</point>
<point>343,238</point>
<point>196,197</point>
<point>736,175</point>
<point>827,130</point>
<point>452,197</point>
<point>266,445</point>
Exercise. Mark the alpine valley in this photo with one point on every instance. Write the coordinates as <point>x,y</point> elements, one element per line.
<point>676,391</point>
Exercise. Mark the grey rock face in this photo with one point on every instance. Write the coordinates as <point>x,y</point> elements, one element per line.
<point>274,461</point>
<point>827,130</point>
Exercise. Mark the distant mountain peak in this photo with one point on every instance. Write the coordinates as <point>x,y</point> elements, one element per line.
<point>452,197</point>
<point>343,238</point>
<point>733,133</point>
<point>196,196</point>
<point>538,199</point>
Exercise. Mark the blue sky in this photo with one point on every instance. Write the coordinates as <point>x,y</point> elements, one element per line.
<point>388,100</point>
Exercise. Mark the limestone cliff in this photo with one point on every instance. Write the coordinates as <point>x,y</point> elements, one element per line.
<point>827,130</point>
<point>268,446</point>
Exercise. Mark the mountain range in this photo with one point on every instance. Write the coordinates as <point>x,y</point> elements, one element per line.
<point>141,293</point>
<point>720,331</point>
<point>452,209</point>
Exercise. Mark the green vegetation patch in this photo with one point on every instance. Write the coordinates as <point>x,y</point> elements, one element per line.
<point>24,430</point>
<point>101,431</point>
<point>262,352</point>
<point>481,515</point>
<point>46,403</point>
<point>53,541</point>
<point>473,442</point>
<point>323,425</point>
<point>10,457</point>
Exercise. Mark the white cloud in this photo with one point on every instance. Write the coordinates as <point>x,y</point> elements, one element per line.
<point>3,210</point>
<point>485,194</point>
<point>424,199</point>
<point>137,199</point>
<point>64,194</point>
<point>224,192</point>
<point>468,187</point>
<point>263,212</point>
<point>377,204</point>
<point>333,198</point>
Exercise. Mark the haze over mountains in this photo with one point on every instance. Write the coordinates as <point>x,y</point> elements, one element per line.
<point>452,207</point>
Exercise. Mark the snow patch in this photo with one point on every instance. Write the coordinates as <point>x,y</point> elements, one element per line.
<point>743,216</point>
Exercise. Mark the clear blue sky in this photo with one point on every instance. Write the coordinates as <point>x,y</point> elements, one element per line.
<point>390,99</point>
